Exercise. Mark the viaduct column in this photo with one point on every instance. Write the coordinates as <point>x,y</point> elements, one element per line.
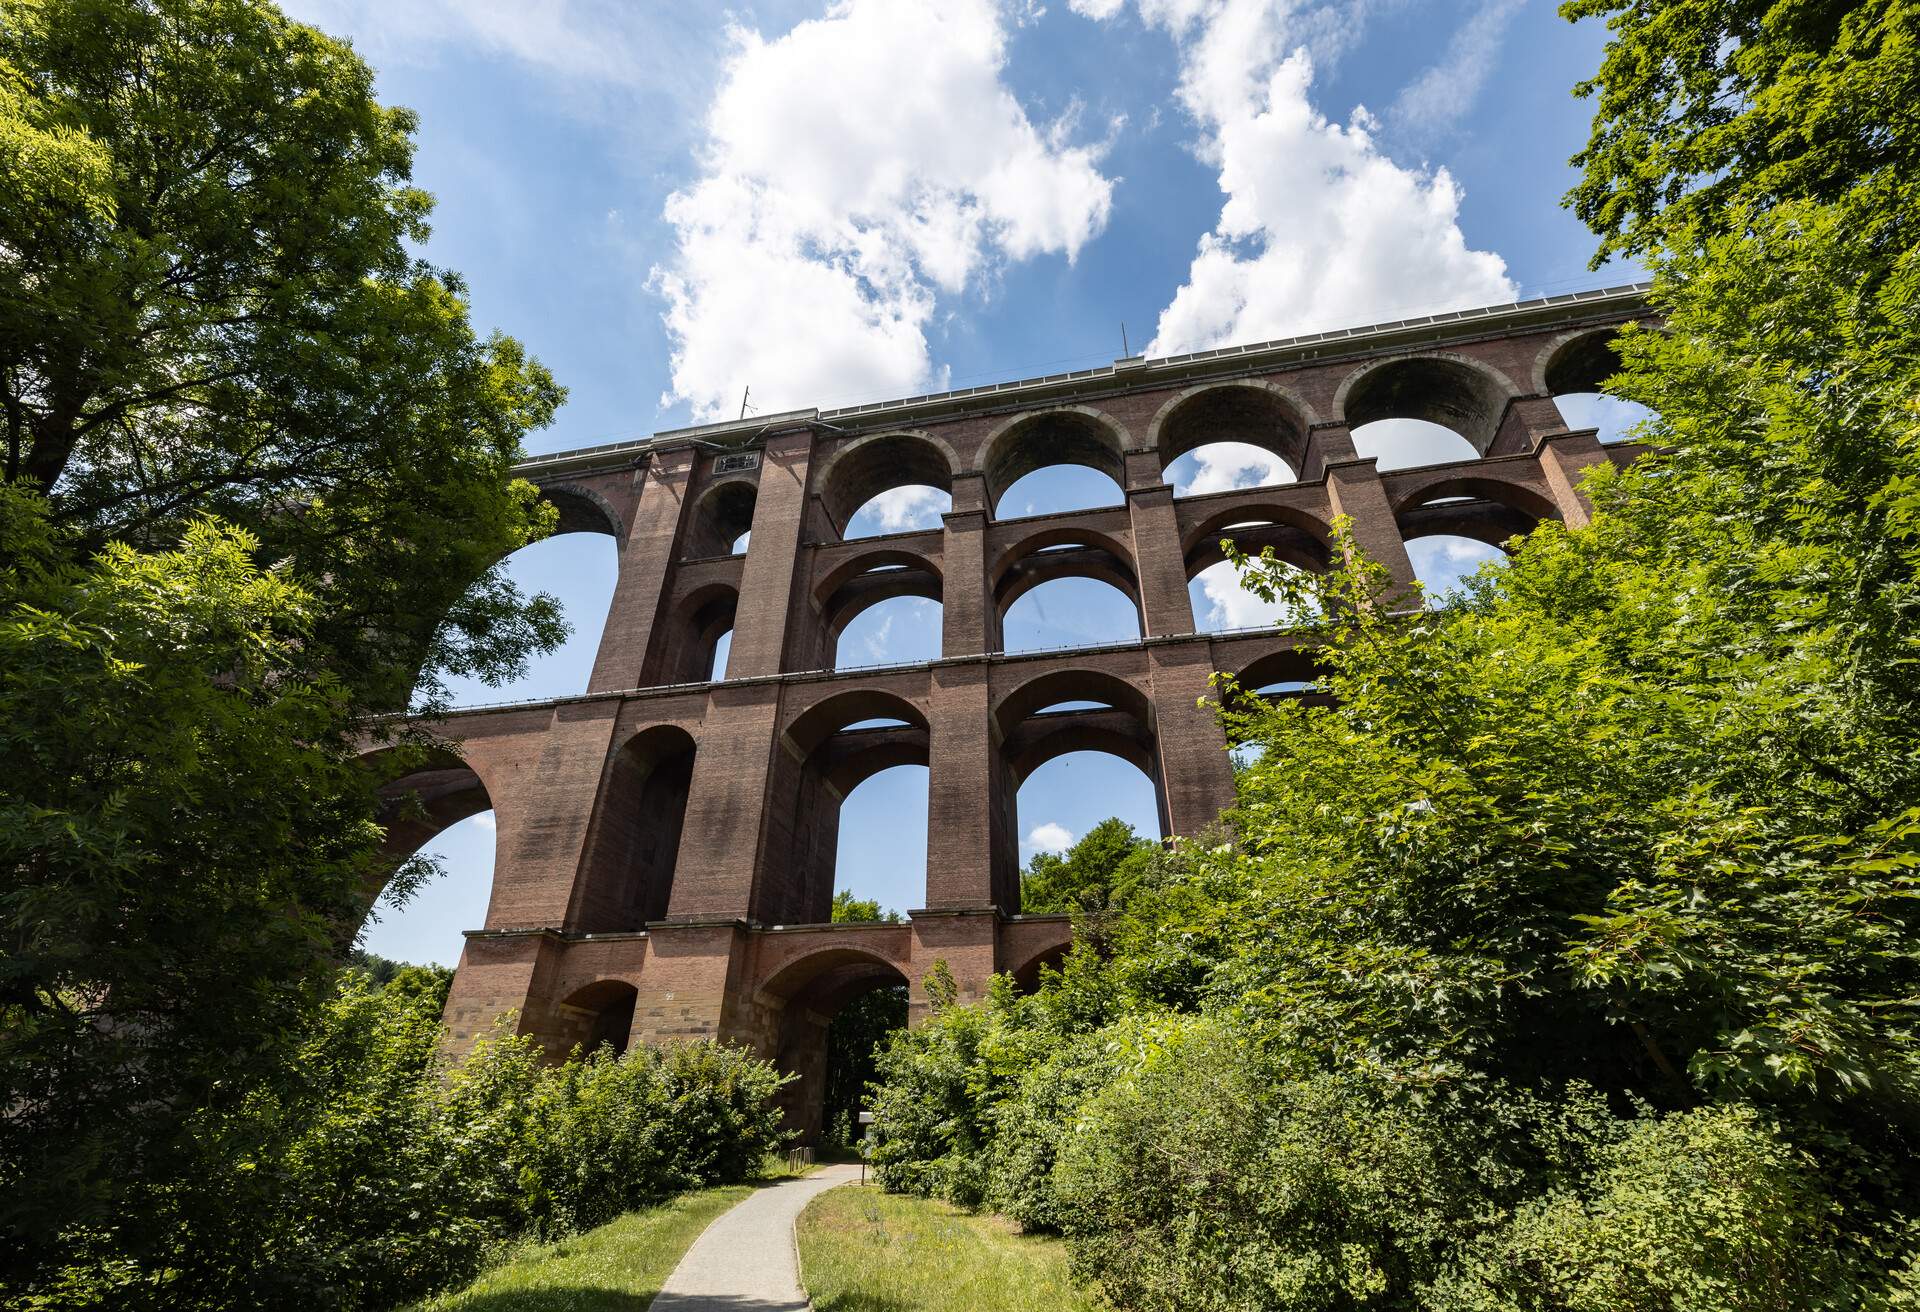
<point>969,619</point>
<point>646,565</point>
<point>1196,778</point>
<point>724,832</point>
<point>1165,606</point>
<point>1564,460</point>
<point>965,828</point>
<point>1354,489</point>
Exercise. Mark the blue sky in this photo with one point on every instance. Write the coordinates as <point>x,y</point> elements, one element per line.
<point>832,203</point>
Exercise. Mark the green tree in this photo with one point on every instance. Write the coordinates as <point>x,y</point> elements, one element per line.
<point>848,909</point>
<point>1709,110</point>
<point>207,306</point>
<point>257,484</point>
<point>1092,875</point>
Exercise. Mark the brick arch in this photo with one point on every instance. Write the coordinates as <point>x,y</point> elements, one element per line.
<point>592,1015</point>
<point>420,792</point>
<point>1026,967</point>
<point>831,960</point>
<point>583,510</point>
<point>801,993</point>
<point>1497,510</point>
<point>1064,435</point>
<point>1027,564</point>
<point>811,727</point>
<point>1577,361</point>
<point>692,634</point>
<point>1069,685</point>
<point>1283,665</point>
<point>852,586</point>
<point>1296,536</point>
<point>720,515</point>
<point>1455,391</point>
<point>1034,744</point>
<point>861,469</point>
<point>1259,413</point>
<point>633,847</point>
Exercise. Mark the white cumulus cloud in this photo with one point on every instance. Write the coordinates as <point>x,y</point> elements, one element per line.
<point>1230,605</point>
<point>1319,227</point>
<point>1222,466</point>
<point>904,509</point>
<point>1049,837</point>
<point>855,170</point>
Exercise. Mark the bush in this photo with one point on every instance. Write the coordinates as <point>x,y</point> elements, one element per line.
<point>378,1173</point>
<point>1194,1181</point>
<point>1705,1211</point>
<point>1197,1179</point>
<point>1029,1126</point>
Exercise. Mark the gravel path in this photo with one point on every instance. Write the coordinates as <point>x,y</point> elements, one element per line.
<point>746,1261</point>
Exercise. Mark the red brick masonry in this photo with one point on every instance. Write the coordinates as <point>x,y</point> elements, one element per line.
<point>665,844</point>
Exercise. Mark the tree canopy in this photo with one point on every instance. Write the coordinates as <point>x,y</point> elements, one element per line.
<point>257,485</point>
<point>207,306</point>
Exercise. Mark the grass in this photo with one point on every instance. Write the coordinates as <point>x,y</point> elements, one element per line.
<point>865,1251</point>
<point>616,1268</point>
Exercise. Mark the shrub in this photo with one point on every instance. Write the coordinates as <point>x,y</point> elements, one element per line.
<point>1028,1128</point>
<point>376,1172</point>
<point>1703,1211</point>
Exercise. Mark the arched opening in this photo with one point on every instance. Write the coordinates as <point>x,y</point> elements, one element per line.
<point>1214,438</point>
<point>1466,398</point>
<point>831,749</point>
<point>1064,613</point>
<point>599,1015</point>
<point>880,608</point>
<point>1078,747</point>
<point>897,631</point>
<point>578,566</point>
<point>1220,598</point>
<point>721,520</point>
<point>804,1001</point>
<point>1612,418</point>
<point>1223,603</point>
<point>1573,371</point>
<point>427,926</point>
<point>1411,444</point>
<point>1226,467</point>
<point>1487,511</point>
<point>1066,796</point>
<point>1287,677</point>
<point>1444,562</point>
<point>633,848</point>
<point>881,852</point>
<point>699,638</point>
<point>887,483</point>
<point>439,841</point>
<point>1024,461</point>
<point>911,508</point>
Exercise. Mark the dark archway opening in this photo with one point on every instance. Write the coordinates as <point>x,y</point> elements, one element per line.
<point>855,1036</point>
<point>722,520</point>
<point>599,1015</point>
<point>634,849</point>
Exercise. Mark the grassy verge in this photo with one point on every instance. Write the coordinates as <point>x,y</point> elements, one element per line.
<point>865,1251</point>
<point>616,1268</point>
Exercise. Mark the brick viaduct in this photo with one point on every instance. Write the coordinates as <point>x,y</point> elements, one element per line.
<point>665,843</point>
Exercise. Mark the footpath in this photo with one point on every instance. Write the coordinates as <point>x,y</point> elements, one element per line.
<point>746,1260</point>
